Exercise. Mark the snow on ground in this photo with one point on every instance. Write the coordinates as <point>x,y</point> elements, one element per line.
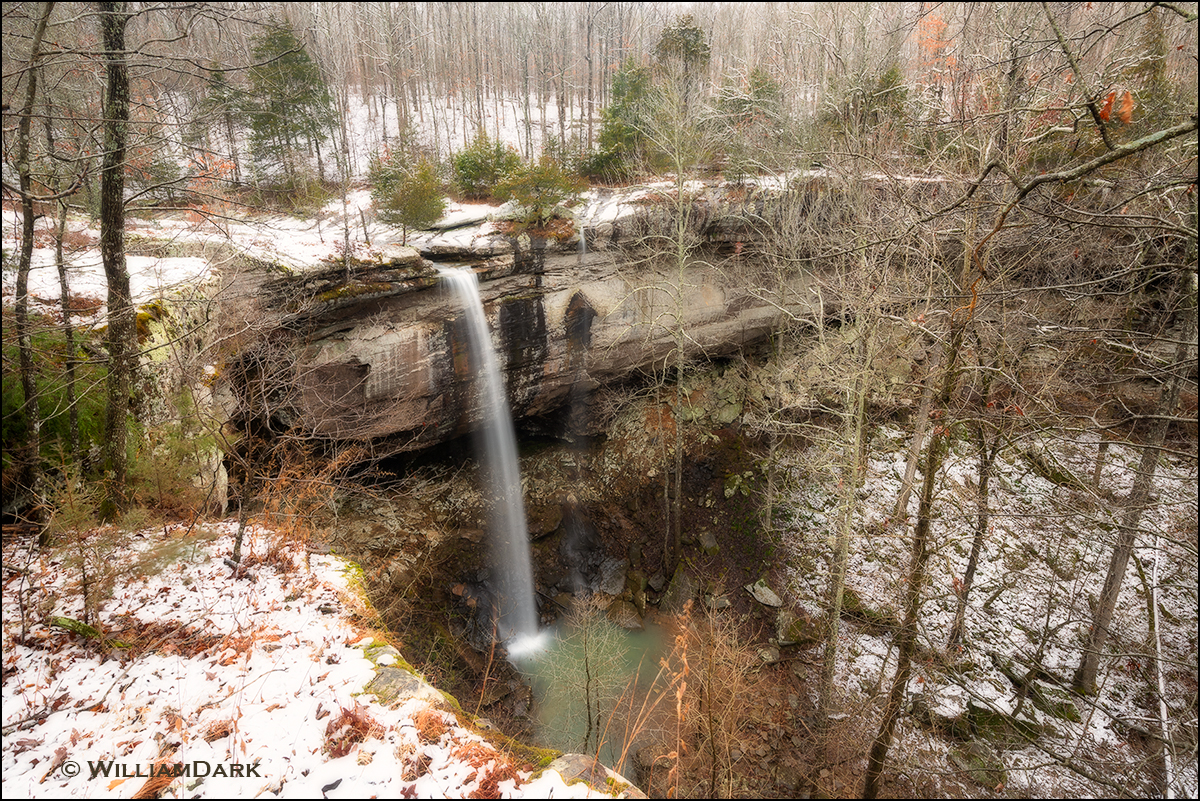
<point>1042,566</point>
<point>297,244</point>
<point>264,676</point>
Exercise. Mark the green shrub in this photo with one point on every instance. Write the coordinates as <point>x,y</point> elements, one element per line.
<point>606,165</point>
<point>169,459</point>
<point>300,197</point>
<point>539,189</point>
<point>478,168</point>
<point>409,195</point>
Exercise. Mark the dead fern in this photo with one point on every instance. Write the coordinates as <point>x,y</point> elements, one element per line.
<point>351,727</point>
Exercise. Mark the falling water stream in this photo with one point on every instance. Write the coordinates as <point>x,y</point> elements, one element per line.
<point>583,671</point>
<point>516,616</point>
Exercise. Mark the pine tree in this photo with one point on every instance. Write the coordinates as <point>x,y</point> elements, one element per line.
<point>621,142</point>
<point>539,188</point>
<point>484,164</point>
<point>291,105</point>
<point>406,194</point>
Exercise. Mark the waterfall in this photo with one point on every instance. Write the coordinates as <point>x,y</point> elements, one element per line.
<point>516,616</point>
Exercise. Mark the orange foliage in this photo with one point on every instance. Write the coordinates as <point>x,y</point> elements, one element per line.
<point>933,45</point>
<point>1125,114</point>
<point>1106,112</point>
<point>348,729</point>
<point>431,724</point>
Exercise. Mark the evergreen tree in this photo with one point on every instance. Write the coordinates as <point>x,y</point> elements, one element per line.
<point>224,102</point>
<point>406,194</point>
<point>1150,75</point>
<point>484,164</point>
<point>756,99</point>
<point>682,56</point>
<point>681,60</point>
<point>751,113</point>
<point>539,188</point>
<point>621,142</point>
<point>291,106</point>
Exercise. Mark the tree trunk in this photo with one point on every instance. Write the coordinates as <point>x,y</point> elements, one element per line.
<point>591,92</point>
<point>29,476</point>
<point>1084,680</point>
<point>900,515</point>
<point>919,556</point>
<point>68,332</point>
<point>525,87</point>
<point>854,441</point>
<point>1098,470</point>
<point>64,296</point>
<point>121,337</point>
<point>987,458</point>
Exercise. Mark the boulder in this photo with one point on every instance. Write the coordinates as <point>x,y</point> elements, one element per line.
<point>625,615</point>
<point>395,685</point>
<point>681,590</point>
<point>981,763</point>
<point>578,767</point>
<point>794,629</point>
<point>763,593</point>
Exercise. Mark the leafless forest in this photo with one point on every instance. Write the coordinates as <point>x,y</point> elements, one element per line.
<point>994,206</point>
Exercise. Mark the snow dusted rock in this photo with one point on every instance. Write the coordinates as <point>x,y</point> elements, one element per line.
<point>575,767</point>
<point>394,685</point>
<point>763,593</point>
<point>793,629</point>
<point>380,354</point>
<point>981,763</point>
<point>394,255</point>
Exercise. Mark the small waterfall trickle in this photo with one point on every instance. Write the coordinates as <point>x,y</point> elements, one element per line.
<point>516,616</point>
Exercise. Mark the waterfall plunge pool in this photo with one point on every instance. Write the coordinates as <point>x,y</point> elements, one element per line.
<point>598,689</point>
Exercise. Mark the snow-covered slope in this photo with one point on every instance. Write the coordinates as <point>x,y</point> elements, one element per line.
<point>255,685</point>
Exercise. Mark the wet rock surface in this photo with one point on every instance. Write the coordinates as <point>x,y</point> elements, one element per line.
<point>379,351</point>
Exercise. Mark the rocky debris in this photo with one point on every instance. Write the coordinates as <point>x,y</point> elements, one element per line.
<point>769,654</point>
<point>543,519</point>
<point>681,590</point>
<point>717,602</point>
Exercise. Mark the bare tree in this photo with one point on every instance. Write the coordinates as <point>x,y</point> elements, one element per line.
<point>30,477</point>
<point>122,336</point>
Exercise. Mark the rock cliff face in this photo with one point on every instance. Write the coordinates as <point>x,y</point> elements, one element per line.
<point>384,357</point>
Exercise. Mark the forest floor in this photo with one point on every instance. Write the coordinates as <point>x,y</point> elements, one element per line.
<point>1045,555</point>
<point>242,662</point>
<point>1043,561</point>
<point>254,683</point>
